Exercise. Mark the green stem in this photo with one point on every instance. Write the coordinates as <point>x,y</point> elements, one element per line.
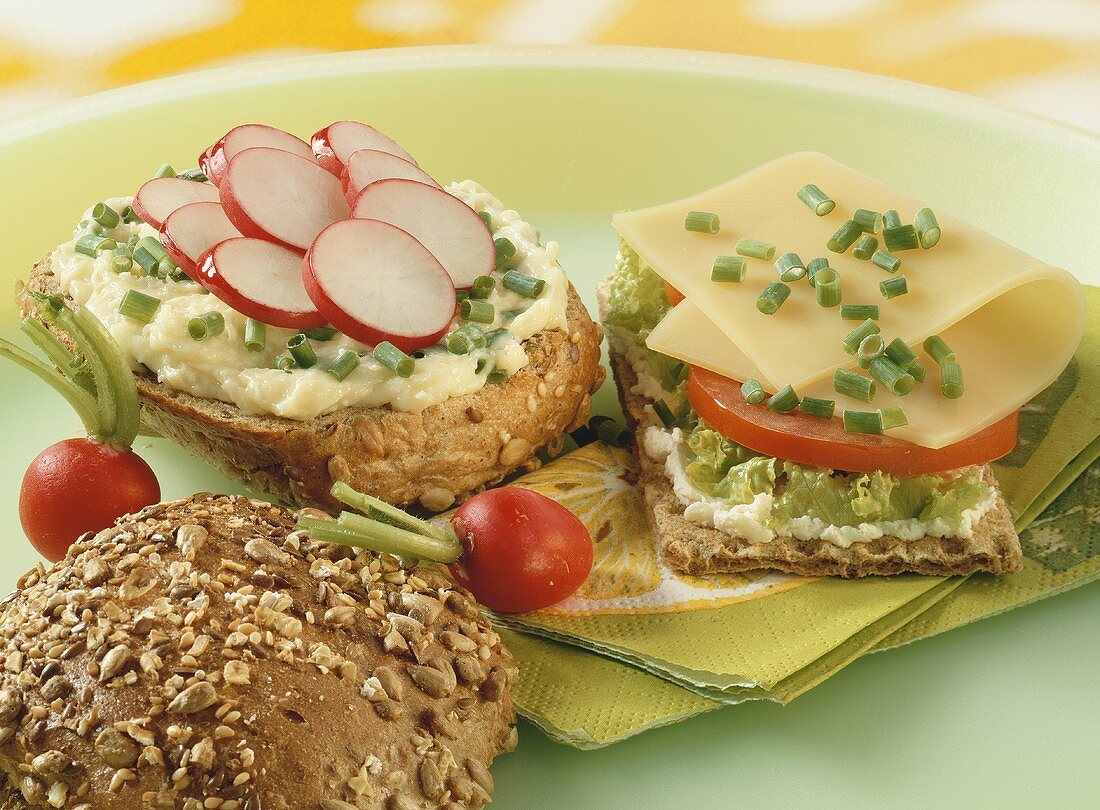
<point>363,532</point>
<point>56,352</point>
<point>81,401</point>
<point>386,513</point>
<point>117,376</point>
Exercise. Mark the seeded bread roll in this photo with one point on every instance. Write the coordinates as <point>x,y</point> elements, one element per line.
<point>203,654</point>
<point>442,454</point>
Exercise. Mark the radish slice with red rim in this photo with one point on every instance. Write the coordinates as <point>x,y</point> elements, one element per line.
<point>370,165</point>
<point>191,230</point>
<point>271,194</point>
<point>215,159</point>
<point>335,144</point>
<point>260,280</point>
<point>375,282</point>
<point>159,197</point>
<point>445,225</point>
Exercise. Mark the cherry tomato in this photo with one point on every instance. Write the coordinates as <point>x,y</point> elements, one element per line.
<point>78,486</point>
<point>523,551</point>
<point>824,442</point>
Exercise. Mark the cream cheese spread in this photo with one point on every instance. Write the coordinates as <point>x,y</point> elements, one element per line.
<point>222,368</point>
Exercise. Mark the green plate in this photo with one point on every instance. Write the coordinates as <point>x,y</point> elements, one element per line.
<point>1003,712</point>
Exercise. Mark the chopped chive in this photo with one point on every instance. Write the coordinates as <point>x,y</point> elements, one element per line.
<point>827,289</point>
<point>465,339</point>
<point>344,364</point>
<point>901,354</point>
<point>862,421</point>
<point>461,295</point>
<point>785,399</point>
<point>789,267</point>
<point>892,417</point>
<point>893,287</point>
<point>302,351</point>
<point>893,377</point>
<point>525,285</point>
<point>728,268</point>
<point>951,380</point>
<point>928,229</point>
<point>868,221</point>
<point>852,340</point>
<point>285,362</point>
<point>148,252</point>
<point>870,347</point>
<point>887,261</point>
<point>492,335</point>
<point>255,335</point>
<point>129,215</point>
<point>859,312</point>
<point>773,297</point>
<point>482,287</point>
<point>122,263</point>
<point>754,248</point>
<point>821,408</point>
<point>903,237</point>
<point>477,311</point>
<point>938,350</point>
<point>207,325</point>
<point>139,306</point>
<point>865,247</point>
<point>92,245</point>
<point>496,376</point>
<point>505,250</point>
<point>701,222</point>
<point>610,432</point>
<point>487,218</point>
<point>851,384</point>
<point>195,175</point>
<point>394,359</point>
<point>664,413</point>
<point>166,268</point>
<point>816,199</point>
<point>165,170</point>
<point>105,215</point>
<point>891,219</point>
<point>812,268</point>
<point>752,391</point>
<point>918,372</point>
<point>845,237</point>
<point>677,373</point>
<point>322,333</point>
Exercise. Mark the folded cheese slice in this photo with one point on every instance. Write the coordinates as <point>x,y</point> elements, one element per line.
<point>1013,321</point>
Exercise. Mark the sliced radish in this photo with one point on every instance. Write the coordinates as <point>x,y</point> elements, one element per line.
<point>335,144</point>
<point>215,159</point>
<point>192,230</point>
<point>370,165</point>
<point>261,280</point>
<point>159,197</point>
<point>445,225</point>
<point>375,282</point>
<point>271,194</point>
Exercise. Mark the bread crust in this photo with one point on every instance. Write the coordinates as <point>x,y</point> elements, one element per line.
<point>203,649</point>
<point>696,549</point>
<point>433,458</point>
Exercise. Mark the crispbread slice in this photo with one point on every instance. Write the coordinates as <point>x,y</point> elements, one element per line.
<point>696,549</point>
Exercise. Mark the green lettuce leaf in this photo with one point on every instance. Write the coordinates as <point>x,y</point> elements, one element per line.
<point>815,493</point>
<point>636,298</point>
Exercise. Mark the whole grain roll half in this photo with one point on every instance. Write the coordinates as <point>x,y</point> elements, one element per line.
<point>204,654</point>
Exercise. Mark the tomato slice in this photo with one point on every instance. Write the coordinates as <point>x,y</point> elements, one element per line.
<point>824,442</point>
<point>673,295</point>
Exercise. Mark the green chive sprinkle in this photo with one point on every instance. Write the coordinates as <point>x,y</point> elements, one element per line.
<point>862,421</point>
<point>285,362</point>
<point>752,391</point>
<point>105,215</point>
<point>855,337</point>
<point>465,339</point>
<point>343,365</point>
<point>754,248</point>
<point>610,432</point>
<point>928,229</point>
<point>868,221</point>
<point>255,335</point>
<point>701,222</point>
<point>893,287</point>
<point>870,347</point>
<point>487,218</point>
<point>321,333</point>
<point>785,399</point>
<point>821,408</point>
<point>789,267</point>
<point>147,253</point>
<point>813,267</point>
<point>891,219</point>
<point>827,288</point>
<point>903,237</point>
<point>92,245</point>
<point>525,285</point>
<point>492,335</point>
<point>728,268</point>
<point>664,413</point>
<point>918,372</point>
<point>165,170</point>
<point>845,237</point>
<point>893,377</point>
<point>394,359</point>
<point>859,312</point>
<point>482,287</point>
<point>195,175</point>
<point>139,306</point>
<point>677,373</point>
<point>505,250</point>
<point>302,351</point>
<point>865,247</point>
<point>951,380</point>
<point>901,354</point>
<point>496,376</point>
<point>477,311</point>
<point>129,215</point>
<point>892,417</point>
<point>938,350</point>
<point>122,263</point>
<point>816,199</point>
<point>207,325</point>
<point>851,384</point>
<point>773,297</point>
<point>166,268</point>
<point>887,261</point>
<point>461,295</point>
